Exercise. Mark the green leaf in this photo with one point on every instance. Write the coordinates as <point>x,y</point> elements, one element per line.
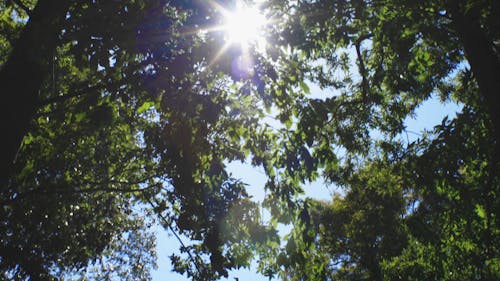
<point>145,106</point>
<point>305,87</point>
<point>80,116</point>
<point>480,211</point>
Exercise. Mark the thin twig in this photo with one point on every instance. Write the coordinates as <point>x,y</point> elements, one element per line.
<point>169,226</point>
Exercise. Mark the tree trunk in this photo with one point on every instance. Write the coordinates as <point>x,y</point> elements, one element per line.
<point>23,74</point>
<point>485,65</point>
<point>483,60</point>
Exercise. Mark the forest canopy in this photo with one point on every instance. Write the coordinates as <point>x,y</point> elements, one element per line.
<point>119,115</point>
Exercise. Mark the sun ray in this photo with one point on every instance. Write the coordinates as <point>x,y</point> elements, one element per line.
<point>242,25</point>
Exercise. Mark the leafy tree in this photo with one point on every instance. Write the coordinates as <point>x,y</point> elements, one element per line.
<point>455,223</point>
<point>402,50</point>
<point>132,103</point>
<point>404,53</point>
<point>123,109</point>
<point>430,214</point>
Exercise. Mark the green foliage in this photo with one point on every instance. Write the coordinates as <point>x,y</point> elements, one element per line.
<point>429,215</point>
<point>404,53</point>
<point>133,113</point>
<point>141,112</point>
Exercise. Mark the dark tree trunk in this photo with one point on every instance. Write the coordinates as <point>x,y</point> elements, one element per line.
<point>485,65</point>
<point>483,60</point>
<point>22,75</point>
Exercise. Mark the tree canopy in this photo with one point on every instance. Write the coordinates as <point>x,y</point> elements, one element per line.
<point>121,114</point>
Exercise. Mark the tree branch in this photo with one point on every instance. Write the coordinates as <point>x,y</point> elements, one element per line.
<point>22,6</point>
<point>67,96</point>
<point>103,188</point>
<point>365,87</point>
<point>169,226</point>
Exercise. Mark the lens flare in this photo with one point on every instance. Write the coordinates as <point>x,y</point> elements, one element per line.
<point>244,25</point>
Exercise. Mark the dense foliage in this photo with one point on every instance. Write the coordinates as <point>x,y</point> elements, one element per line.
<point>409,210</point>
<point>130,116</point>
<point>129,112</point>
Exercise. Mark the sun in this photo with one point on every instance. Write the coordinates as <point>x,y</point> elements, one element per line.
<point>244,25</point>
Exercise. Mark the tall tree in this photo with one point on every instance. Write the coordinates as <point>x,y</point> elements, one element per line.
<point>133,103</point>
<point>130,109</point>
<point>31,66</point>
<point>383,59</point>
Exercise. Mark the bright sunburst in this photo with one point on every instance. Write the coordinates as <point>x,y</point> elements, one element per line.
<point>244,25</point>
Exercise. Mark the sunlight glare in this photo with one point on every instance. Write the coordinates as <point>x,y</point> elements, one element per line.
<point>244,25</point>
